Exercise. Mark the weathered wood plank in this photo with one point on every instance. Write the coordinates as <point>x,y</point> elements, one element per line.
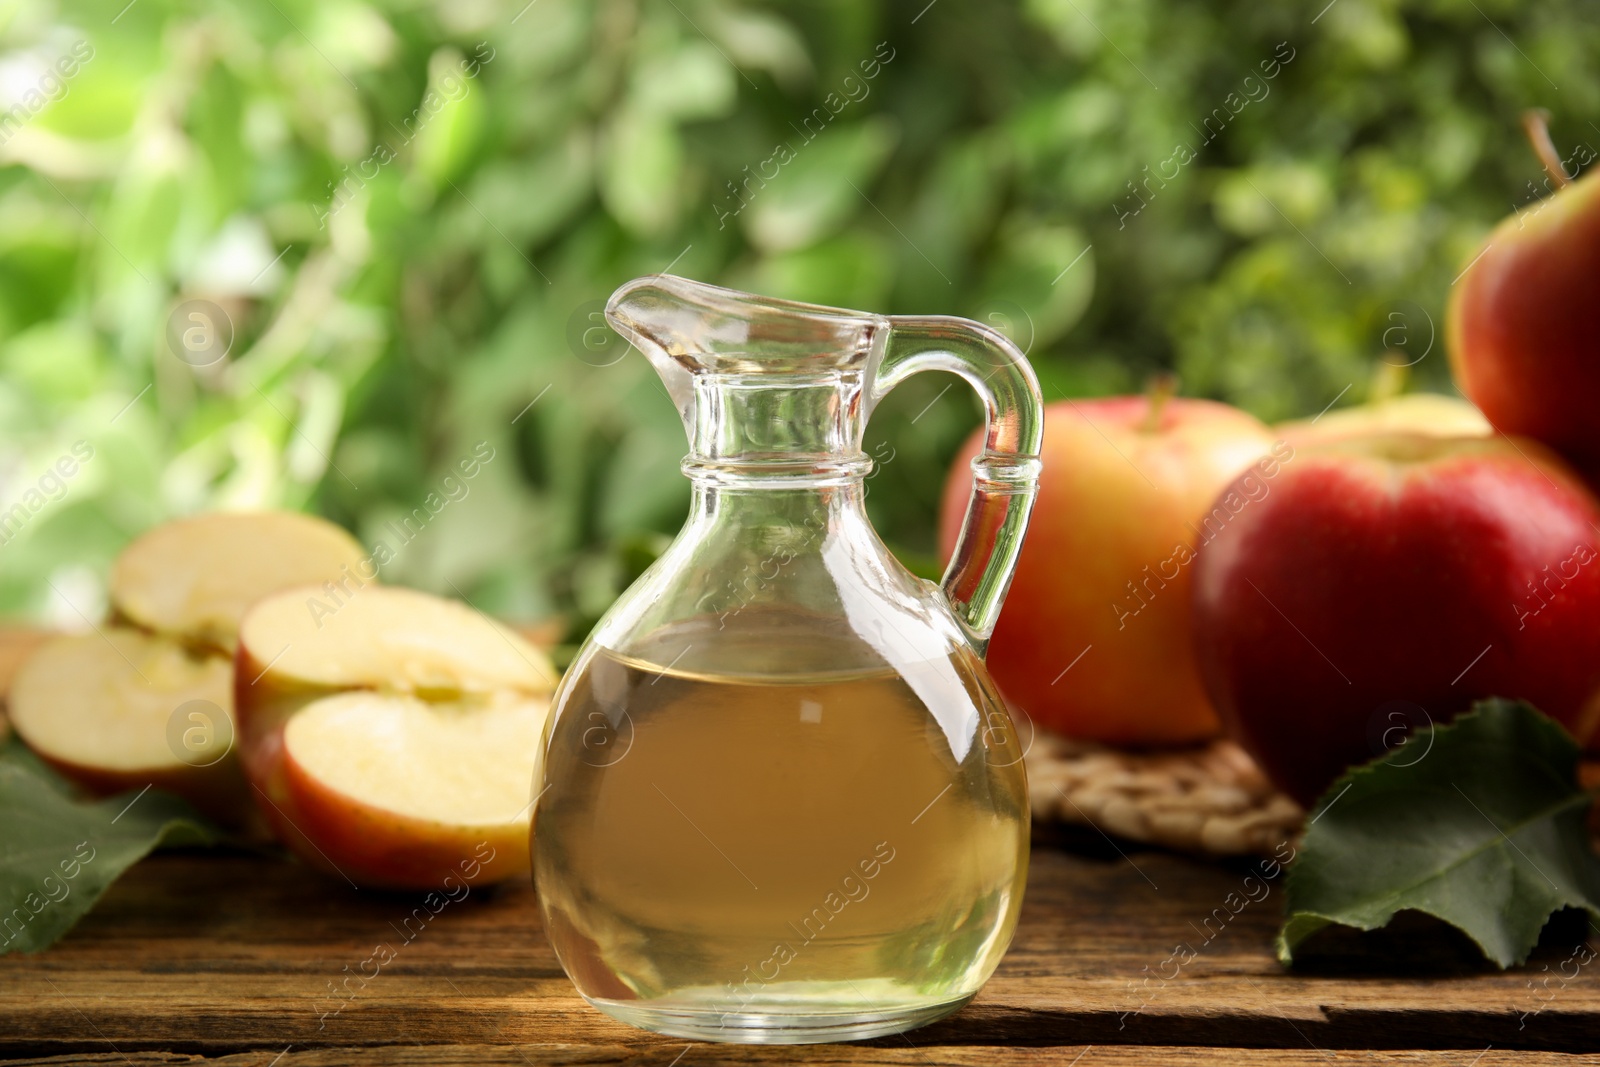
<point>815,1056</point>
<point>219,955</point>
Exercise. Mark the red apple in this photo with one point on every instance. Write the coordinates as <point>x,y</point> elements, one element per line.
<point>1390,581</point>
<point>1524,321</point>
<point>1094,637</point>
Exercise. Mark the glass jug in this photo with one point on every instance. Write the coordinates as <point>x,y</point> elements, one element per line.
<point>779,798</point>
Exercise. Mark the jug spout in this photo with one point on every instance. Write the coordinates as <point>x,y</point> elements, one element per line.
<point>690,330</point>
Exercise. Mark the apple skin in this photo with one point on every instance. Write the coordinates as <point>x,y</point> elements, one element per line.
<point>386,850</point>
<point>1523,326</point>
<point>1394,573</point>
<point>1424,413</point>
<point>262,707</point>
<point>1113,500</point>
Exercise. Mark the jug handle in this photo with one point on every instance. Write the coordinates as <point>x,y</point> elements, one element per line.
<point>1005,475</point>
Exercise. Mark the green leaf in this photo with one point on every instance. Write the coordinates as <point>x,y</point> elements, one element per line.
<point>848,270</point>
<point>693,82</point>
<point>58,360</point>
<point>642,169</point>
<point>815,180</point>
<point>59,854</point>
<point>563,174</point>
<point>449,119</point>
<point>755,39</point>
<point>1045,272</point>
<point>1486,830</point>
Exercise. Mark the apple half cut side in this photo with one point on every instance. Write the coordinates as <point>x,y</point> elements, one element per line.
<point>122,709</point>
<point>391,739</point>
<point>409,792</point>
<point>194,578</point>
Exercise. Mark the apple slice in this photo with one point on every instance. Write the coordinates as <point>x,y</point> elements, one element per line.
<point>195,577</point>
<point>391,737</point>
<point>123,709</point>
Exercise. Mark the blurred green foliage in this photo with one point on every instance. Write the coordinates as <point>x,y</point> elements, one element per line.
<point>410,214</point>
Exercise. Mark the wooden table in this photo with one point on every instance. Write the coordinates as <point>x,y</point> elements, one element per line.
<point>227,958</point>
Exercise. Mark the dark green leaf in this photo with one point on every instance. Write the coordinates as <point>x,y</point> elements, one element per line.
<point>58,854</point>
<point>1486,830</point>
<point>822,174</point>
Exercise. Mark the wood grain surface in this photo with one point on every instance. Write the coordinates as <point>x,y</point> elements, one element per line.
<point>230,957</point>
<point>1124,956</point>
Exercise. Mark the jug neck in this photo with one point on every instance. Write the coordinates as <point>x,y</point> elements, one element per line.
<point>768,389</point>
<point>768,431</point>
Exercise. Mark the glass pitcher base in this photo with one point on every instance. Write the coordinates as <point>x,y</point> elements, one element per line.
<point>808,1017</point>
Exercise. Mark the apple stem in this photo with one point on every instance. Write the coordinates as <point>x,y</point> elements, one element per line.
<point>1388,381</point>
<point>1158,390</point>
<point>1536,124</point>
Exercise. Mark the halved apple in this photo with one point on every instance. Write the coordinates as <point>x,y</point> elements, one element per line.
<point>193,578</point>
<point>122,709</point>
<point>391,738</point>
<point>150,701</point>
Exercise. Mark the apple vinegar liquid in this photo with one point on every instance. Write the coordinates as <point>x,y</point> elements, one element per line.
<point>786,841</point>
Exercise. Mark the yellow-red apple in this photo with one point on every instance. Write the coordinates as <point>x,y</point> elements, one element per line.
<point>1094,639</point>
